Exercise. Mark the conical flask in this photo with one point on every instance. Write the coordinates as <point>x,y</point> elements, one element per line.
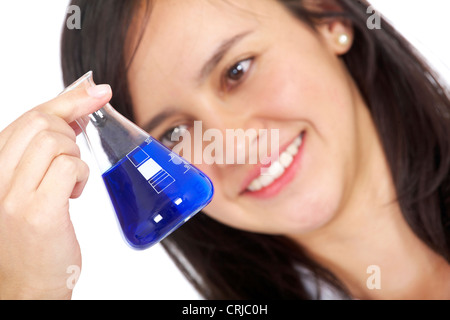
<point>153,190</point>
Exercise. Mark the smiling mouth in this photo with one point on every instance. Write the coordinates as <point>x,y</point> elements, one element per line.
<point>276,171</point>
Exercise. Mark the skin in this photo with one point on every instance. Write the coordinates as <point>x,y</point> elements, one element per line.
<point>339,206</point>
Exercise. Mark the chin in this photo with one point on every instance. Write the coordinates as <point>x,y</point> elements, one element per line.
<point>309,213</point>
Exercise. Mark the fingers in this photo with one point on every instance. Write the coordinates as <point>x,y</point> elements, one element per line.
<point>19,139</point>
<point>69,107</point>
<point>64,114</point>
<point>65,178</point>
<point>37,158</point>
<point>77,103</point>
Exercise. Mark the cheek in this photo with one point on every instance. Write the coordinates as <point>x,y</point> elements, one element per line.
<point>273,91</point>
<point>309,85</point>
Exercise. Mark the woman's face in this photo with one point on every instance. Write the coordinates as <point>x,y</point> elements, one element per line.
<point>249,64</point>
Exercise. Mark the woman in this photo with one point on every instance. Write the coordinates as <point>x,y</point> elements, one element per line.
<point>367,187</point>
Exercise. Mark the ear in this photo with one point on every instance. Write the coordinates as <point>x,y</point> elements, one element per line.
<point>337,34</point>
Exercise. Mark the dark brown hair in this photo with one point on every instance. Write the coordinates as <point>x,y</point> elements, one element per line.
<point>409,106</point>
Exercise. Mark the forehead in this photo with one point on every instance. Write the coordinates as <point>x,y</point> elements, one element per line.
<point>175,22</point>
<point>180,35</point>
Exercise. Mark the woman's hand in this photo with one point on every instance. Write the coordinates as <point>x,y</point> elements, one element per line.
<point>40,170</point>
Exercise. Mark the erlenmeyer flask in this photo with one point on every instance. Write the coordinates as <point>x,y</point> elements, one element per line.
<point>153,190</point>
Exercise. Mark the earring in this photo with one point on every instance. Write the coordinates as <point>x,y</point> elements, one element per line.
<point>344,39</point>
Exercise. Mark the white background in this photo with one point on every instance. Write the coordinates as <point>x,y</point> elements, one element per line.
<point>30,74</point>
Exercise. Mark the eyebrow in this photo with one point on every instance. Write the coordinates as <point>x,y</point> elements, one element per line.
<point>218,55</point>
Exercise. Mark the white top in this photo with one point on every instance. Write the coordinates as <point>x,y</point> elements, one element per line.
<point>319,288</point>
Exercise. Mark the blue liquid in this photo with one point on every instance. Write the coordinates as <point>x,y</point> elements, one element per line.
<point>154,192</point>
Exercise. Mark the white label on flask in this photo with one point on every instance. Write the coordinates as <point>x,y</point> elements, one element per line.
<point>155,175</point>
<point>149,169</point>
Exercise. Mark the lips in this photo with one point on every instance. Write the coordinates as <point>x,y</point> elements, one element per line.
<point>265,181</point>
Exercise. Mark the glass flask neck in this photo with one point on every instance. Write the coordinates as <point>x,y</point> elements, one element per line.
<point>109,135</point>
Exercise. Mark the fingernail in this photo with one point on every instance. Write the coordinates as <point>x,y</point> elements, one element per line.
<point>99,91</point>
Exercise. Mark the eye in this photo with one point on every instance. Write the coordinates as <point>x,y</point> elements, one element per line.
<point>172,137</point>
<point>238,71</point>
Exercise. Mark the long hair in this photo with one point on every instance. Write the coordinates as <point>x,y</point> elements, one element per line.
<point>409,106</point>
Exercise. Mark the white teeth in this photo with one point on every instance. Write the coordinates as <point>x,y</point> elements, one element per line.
<point>266,180</point>
<point>292,150</point>
<point>298,141</point>
<point>286,159</point>
<point>277,168</point>
<point>255,185</point>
